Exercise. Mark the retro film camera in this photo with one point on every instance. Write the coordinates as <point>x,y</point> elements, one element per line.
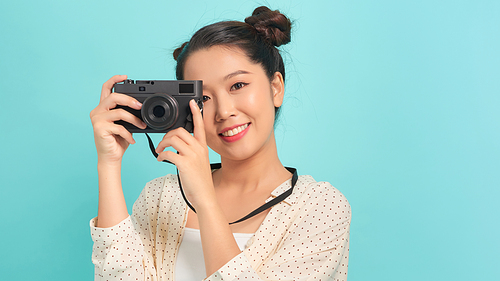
<point>165,103</point>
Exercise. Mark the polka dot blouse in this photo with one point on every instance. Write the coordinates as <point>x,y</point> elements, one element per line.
<point>304,237</point>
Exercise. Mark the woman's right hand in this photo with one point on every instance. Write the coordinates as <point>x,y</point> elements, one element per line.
<point>111,140</point>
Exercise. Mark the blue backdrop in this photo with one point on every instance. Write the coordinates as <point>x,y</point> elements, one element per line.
<point>396,103</point>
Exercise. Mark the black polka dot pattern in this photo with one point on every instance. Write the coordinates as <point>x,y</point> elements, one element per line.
<point>305,237</point>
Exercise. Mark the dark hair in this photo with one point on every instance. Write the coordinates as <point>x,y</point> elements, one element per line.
<point>258,37</point>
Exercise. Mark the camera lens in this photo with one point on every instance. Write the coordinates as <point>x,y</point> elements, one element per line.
<point>159,111</point>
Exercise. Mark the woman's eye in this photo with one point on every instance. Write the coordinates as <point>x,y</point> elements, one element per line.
<point>238,86</point>
<point>205,98</point>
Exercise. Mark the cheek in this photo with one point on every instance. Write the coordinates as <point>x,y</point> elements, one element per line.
<point>252,102</point>
<point>260,104</point>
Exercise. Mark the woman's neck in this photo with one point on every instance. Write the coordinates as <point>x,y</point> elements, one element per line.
<point>262,170</point>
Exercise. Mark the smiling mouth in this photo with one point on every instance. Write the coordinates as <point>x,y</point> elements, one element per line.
<point>235,131</point>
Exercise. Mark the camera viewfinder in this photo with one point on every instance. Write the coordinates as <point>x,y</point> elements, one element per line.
<point>186,88</point>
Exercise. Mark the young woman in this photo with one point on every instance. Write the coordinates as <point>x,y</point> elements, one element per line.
<point>303,237</point>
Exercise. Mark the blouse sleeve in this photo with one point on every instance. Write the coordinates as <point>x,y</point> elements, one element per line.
<point>117,252</point>
<point>315,247</point>
<point>125,251</point>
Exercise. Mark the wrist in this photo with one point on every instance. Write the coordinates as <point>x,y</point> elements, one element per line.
<point>109,174</point>
<point>103,165</point>
<point>205,202</point>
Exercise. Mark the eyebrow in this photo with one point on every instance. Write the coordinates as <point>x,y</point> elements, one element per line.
<point>237,72</point>
<point>231,75</point>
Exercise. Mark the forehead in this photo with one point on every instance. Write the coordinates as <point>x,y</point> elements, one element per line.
<point>217,62</point>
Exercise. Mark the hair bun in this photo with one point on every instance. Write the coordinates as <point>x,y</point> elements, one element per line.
<point>272,25</point>
<point>179,50</point>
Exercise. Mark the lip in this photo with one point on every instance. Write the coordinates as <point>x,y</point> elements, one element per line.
<point>232,127</point>
<point>237,136</point>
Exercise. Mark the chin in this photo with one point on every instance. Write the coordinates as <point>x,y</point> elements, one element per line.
<point>240,150</point>
<point>225,152</point>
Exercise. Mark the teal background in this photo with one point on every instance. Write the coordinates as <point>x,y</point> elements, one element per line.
<point>396,103</point>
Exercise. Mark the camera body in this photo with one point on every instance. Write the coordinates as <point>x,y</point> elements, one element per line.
<point>165,103</point>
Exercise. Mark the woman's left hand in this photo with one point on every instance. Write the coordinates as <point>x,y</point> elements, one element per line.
<point>192,158</point>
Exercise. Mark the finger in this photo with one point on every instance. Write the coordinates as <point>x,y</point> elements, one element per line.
<point>182,133</point>
<point>118,130</point>
<point>199,127</point>
<point>122,114</point>
<point>169,156</point>
<point>176,143</point>
<point>115,99</point>
<point>108,85</point>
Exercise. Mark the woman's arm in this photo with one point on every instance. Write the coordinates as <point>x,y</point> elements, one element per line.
<point>112,208</point>
<point>219,245</point>
<point>111,141</point>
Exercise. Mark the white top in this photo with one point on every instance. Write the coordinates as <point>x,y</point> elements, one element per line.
<point>190,264</point>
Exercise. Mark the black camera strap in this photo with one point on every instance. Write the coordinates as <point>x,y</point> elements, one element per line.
<point>215,166</point>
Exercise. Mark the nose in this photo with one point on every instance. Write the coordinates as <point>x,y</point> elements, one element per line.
<point>225,108</point>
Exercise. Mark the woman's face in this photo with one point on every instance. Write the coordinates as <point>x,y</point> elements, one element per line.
<point>239,101</point>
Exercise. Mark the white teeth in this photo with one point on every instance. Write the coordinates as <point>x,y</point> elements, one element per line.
<point>235,131</point>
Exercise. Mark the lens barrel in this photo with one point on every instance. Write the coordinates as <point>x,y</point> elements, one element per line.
<point>160,111</point>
